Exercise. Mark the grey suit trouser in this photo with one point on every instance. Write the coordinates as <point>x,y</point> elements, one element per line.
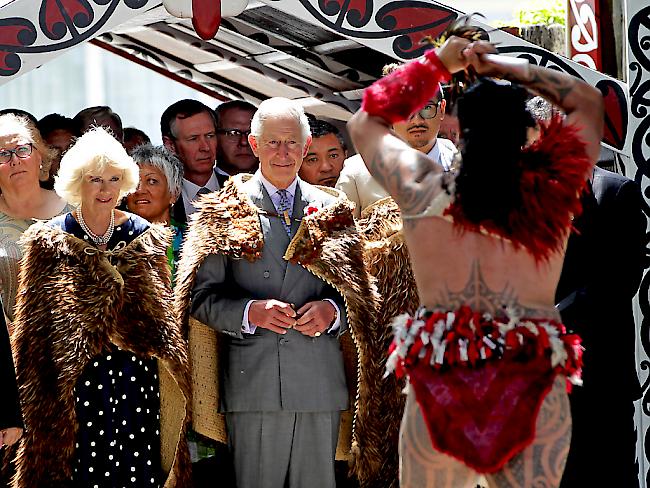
<point>283,449</point>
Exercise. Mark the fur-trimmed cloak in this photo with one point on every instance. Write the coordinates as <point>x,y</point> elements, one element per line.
<point>377,435</point>
<point>327,244</point>
<point>74,301</point>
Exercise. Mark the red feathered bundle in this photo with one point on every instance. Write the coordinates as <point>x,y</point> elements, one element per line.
<point>554,173</point>
<point>407,89</point>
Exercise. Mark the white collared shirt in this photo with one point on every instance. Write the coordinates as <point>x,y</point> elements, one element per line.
<point>221,172</point>
<point>273,191</point>
<point>443,153</point>
<point>191,190</point>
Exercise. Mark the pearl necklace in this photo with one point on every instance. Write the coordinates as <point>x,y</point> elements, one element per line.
<point>99,240</point>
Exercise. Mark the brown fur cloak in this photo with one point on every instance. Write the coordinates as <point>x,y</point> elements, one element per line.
<point>377,434</point>
<point>74,301</point>
<point>327,244</point>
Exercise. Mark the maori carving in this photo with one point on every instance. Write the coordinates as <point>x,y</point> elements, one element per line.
<point>356,12</point>
<point>616,113</point>
<point>399,17</point>
<point>616,107</point>
<point>57,20</point>
<point>66,22</point>
<point>15,33</point>
<point>639,69</point>
<point>406,20</point>
<point>584,32</point>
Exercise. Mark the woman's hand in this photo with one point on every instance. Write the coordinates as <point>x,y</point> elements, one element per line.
<point>8,437</point>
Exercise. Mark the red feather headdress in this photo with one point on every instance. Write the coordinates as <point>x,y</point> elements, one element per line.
<point>554,174</point>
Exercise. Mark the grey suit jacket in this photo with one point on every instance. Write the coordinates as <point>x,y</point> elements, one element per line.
<point>266,371</point>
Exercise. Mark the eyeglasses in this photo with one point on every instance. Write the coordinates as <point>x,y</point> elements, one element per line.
<point>234,133</point>
<point>429,111</point>
<point>23,151</point>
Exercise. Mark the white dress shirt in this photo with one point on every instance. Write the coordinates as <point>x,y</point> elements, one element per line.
<point>443,152</point>
<point>190,191</point>
<point>221,172</point>
<point>246,326</point>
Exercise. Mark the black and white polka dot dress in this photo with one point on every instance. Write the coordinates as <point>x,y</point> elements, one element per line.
<point>117,403</point>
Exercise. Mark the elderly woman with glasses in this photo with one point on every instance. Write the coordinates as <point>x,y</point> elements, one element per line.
<point>101,366</point>
<point>24,157</point>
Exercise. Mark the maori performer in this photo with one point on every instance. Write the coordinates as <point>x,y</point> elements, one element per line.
<point>486,355</point>
<point>102,366</point>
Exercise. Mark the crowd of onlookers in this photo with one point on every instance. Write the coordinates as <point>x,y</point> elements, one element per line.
<point>202,148</point>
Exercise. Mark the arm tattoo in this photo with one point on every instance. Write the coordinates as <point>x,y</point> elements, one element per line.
<point>551,85</point>
<point>401,172</point>
<point>479,296</point>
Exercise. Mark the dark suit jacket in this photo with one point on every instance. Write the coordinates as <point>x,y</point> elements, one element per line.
<point>266,371</point>
<point>604,264</point>
<point>178,209</point>
<point>9,405</point>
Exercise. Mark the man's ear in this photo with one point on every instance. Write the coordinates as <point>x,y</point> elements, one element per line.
<point>168,142</point>
<point>306,148</point>
<point>443,108</point>
<point>253,144</point>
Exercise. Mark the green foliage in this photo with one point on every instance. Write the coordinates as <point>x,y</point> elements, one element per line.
<point>542,12</point>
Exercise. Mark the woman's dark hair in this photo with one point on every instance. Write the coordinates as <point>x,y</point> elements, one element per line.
<point>494,122</point>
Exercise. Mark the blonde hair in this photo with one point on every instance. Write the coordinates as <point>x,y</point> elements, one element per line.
<point>17,125</point>
<point>93,153</point>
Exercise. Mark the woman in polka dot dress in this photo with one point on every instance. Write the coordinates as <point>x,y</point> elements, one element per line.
<point>117,327</point>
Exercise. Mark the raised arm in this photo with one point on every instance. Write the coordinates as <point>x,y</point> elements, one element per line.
<point>582,103</point>
<point>408,175</point>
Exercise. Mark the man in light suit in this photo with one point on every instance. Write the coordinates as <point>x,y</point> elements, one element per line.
<point>420,132</point>
<point>283,382</point>
<point>188,129</point>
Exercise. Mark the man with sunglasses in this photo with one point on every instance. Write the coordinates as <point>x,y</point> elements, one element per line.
<point>420,132</point>
<point>234,154</point>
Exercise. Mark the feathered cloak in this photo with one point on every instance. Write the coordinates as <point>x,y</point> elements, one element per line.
<point>376,457</point>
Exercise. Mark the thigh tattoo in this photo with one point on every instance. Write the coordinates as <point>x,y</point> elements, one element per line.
<point>421,466</point>
<point>541,464</point>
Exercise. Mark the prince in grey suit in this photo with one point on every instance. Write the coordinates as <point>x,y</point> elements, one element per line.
<point>283,382</point>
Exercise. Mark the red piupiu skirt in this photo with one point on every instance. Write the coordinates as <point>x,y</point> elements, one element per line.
<point>480,381</point>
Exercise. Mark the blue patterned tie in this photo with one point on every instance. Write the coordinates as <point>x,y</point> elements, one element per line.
<point>285,210</point>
